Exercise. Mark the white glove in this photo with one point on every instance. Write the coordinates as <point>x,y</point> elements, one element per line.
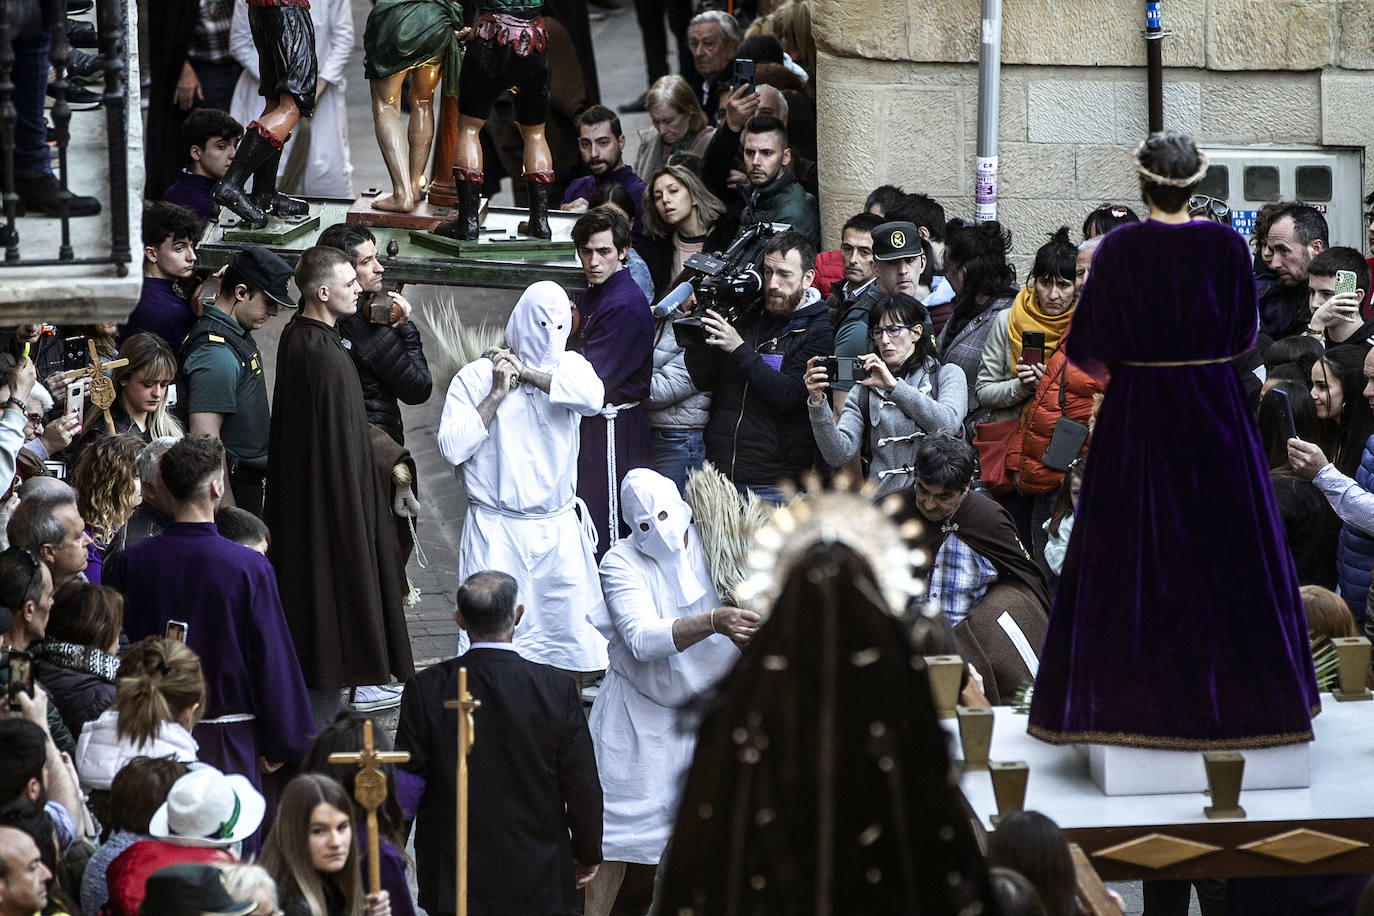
<point>405,505</point>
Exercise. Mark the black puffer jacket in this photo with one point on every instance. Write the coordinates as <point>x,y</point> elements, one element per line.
<point>760,432</point>
<point>391,365</point>
<point>79,680</point>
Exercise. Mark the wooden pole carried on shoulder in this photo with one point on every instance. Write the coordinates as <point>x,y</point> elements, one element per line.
<point>369,789</point>
<point>465,704</point>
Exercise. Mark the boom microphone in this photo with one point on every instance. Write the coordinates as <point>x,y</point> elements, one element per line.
<point>670,303</point>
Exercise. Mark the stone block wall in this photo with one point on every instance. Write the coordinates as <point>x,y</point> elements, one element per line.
<point>898,96</point>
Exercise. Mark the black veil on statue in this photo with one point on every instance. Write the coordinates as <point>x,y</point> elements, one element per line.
<point>821,782</point>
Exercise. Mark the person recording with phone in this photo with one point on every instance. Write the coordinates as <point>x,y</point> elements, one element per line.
<point>1337,281</point>
<point>1014,354</point>
<point>901,393</point>
<point>758,432</point>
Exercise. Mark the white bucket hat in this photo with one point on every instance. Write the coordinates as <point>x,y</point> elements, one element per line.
<point>209,808</point>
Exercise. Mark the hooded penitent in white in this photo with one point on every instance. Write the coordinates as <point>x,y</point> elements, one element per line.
<point>521,476</point>
<point>643,744</point>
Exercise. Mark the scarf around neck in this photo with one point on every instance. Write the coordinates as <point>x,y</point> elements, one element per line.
<point>1025,315</point>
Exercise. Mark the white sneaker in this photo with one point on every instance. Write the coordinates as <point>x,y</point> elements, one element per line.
<point>381,696</point>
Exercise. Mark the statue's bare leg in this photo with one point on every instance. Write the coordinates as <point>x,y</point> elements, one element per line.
<point>423,81</point>
<point>391,137</point>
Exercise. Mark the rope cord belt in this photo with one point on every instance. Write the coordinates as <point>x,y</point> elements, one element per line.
<point>610,411</point>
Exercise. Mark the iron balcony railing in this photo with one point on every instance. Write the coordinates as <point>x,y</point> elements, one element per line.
<point>112,25</point>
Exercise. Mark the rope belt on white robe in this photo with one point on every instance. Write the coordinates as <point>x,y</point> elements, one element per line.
<point>584,515</point>
<point>610,411</point>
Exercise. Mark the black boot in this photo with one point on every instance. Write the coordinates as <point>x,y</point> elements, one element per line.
<point>253,151</point>
<point>538,226</point>
<point>265,191</point>
<point>465,226</point>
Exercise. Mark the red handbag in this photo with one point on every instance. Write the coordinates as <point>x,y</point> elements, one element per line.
<point>994,442</point>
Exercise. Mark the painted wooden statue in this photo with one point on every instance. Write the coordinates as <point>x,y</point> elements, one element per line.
<point>422,39</point>
<point>285,38</point>
<point>508,49</point>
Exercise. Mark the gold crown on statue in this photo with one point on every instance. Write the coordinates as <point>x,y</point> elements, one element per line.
<point>837,516</point>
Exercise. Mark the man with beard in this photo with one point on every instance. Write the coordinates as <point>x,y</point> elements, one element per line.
<point>602,145</point>
<point>759,432</point>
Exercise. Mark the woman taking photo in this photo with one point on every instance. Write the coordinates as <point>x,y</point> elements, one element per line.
<point>984,285</point>
<point>681,131</point>
<point>682,219</point>
<point>1010,375</point>
<point>1346,421</point>
<point>312,855</point>
<point>1310,523</point>
<point>905,394</point>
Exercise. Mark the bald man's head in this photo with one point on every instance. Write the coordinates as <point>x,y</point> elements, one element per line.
<point>45,486</point>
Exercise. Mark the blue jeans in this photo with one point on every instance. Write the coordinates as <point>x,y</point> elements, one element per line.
<point>676,452</point>
<point>32,158</point>
<point>771,495</point>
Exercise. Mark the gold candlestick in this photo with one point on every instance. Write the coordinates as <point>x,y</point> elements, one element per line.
<point>1224,772</point>
<point>945,673</point>
<point>975,735</point>
<point>1352,657</point>
<point>465,705</point>
<point>1009,778</point>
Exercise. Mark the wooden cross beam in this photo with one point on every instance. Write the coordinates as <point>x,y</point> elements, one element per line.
<point>465,705</point>
<point>369,788</point>
<point>102,389</point>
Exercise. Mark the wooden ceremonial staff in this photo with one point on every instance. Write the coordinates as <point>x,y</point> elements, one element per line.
<point>465,704</point>
<point>369,788</point>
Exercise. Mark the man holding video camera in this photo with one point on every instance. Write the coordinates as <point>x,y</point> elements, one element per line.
<point>759,432</point>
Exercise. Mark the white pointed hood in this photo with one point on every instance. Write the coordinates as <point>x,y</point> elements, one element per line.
<point>540,325</point>
<point>667,541</point>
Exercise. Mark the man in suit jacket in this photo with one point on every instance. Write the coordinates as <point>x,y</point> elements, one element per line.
<point>534,822</point>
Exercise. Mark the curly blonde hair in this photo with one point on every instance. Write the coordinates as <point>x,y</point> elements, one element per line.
<point>106,482</point>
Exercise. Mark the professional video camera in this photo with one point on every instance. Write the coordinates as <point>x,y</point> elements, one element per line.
<point>729,283</point>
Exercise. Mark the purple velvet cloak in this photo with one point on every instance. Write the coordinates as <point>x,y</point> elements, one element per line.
<point>617,337</point>
<point>1177,623</point>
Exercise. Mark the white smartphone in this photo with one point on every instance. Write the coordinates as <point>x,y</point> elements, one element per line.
<point>76,397</point>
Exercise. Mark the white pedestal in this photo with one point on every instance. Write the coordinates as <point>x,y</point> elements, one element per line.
<point>1146,771</point>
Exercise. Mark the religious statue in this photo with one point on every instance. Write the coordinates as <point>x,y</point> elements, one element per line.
<point>508,49</point>
<point>285,39</point>
<point>422,39</point>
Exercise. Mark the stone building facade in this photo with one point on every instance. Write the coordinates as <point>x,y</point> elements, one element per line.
<point>898,96</point>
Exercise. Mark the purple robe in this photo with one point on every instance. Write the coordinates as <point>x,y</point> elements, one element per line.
<point>617,337</point>
<point>1177,623</point>
<point>160,311</point>
<point>192,191</point>
<point>227,595</point>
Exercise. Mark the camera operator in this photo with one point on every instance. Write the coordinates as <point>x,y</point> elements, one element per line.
<point>900,394</point>
<point>759,432</point>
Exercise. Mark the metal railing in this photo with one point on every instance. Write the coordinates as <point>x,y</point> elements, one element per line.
<point>111,29</point>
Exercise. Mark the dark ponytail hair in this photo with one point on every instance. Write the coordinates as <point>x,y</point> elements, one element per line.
<point>1057,259</point>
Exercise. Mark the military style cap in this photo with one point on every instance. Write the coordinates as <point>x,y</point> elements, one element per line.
<point>895,240</point>
<point>264,270</point>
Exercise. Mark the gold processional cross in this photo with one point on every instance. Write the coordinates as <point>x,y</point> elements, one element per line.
<point>102,389</point>
<point>465,704</point>
<point>369,788</point>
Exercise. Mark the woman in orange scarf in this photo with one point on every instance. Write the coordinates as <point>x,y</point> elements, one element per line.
<point>1009,373</point>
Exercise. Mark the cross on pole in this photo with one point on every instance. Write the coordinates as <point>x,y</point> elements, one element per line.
<point>465,704</point>
<point>102,389</point>
<point>369,788</point>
